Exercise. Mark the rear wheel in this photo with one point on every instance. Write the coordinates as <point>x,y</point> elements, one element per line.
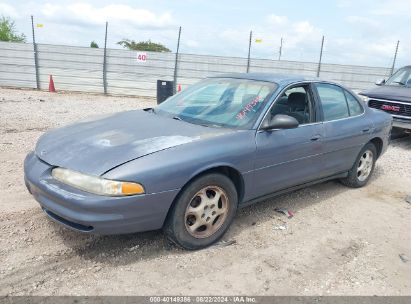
<point>203,212</point>
<point>363,167</point>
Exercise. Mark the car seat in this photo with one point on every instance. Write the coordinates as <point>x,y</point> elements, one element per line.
<point>297,103</point>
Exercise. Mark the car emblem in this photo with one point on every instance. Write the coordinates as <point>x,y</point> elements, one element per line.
<point>43,152</point>
<point>390,108</point>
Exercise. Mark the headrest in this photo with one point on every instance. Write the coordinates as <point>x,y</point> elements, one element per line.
<point>296,100</point>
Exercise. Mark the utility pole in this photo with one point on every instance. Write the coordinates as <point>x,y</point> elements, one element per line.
<point>321,56</point>
<point>395,58</point>
<point>105,61</point>
<point>176,62</point>
<point>249,51</point>
<point>281,49</point>
<point>36,56</point>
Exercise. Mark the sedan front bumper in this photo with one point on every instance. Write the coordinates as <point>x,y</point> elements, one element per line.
<point>90,213</point>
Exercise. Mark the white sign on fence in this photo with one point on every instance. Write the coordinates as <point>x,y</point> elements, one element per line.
<point>141,57</point>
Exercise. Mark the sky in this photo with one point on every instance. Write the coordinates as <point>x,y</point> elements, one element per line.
<point>361,32</point>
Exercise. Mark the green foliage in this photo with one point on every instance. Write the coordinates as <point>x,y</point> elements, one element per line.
<point>8,31</point>
<point>143,46</point>
<point>93,44</point>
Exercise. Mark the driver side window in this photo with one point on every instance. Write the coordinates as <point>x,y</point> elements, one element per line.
<point>295,102</point>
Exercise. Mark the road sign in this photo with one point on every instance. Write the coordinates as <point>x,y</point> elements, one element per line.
<point>141,57</point>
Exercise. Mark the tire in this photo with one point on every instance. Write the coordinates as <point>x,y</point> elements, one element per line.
<point>198,219</point>
<point>358,177</point>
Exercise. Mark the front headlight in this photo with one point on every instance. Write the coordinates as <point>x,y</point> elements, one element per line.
<point>95,184</point>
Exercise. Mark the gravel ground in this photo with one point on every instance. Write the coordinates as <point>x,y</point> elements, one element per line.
<point>340,242</point>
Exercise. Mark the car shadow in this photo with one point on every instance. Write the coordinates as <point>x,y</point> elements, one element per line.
<point>402,143</point>
<point>122,250</point>
<point>296,201</point>
<point>117,249</point>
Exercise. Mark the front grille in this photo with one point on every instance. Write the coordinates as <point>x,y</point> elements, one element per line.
<point>391,107</point>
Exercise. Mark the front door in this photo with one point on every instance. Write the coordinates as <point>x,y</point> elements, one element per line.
<point>290,157</point>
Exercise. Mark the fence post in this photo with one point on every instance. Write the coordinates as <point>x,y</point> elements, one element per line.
<point>281,49</point>
<point>249,51</point>
<point>176,62</point>
<point>36,58</point>
<point>321,56</point>
<point>395,58</point>
<point>105,62</point>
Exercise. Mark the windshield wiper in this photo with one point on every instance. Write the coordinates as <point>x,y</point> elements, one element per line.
<point>399,82</point>
<point>194,123</point>
<point>211,125</point>
<point>150,109</point>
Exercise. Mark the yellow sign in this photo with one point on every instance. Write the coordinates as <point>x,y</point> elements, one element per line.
<point>258,40</point>
<point>39,25</point>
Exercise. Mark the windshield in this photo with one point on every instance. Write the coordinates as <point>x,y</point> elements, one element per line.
<point>400,78</point>
<point>223,102</point>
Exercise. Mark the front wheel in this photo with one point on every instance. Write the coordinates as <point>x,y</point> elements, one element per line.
<point>363,167</point>
<point>203,212</point>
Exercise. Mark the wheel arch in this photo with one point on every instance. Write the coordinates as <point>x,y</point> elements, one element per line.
<point>232,173</point>
<point>379,144</point>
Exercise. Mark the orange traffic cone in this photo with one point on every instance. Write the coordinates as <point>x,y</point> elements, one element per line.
<point>51,85</point>
<point>179,88</point>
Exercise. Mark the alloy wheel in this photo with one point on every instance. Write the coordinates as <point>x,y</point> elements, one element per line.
<point>365,165</point>
<point>206,212</point>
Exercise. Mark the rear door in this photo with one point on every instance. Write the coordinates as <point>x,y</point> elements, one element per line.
<point>286,158</point>
<point>346,128</point>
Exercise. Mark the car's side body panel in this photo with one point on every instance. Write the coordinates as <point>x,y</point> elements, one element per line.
<point>343,141</point>
<point>382,125</point>
<point>285,158</point>
<point>345,137</point>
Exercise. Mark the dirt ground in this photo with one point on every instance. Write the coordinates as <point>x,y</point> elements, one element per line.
<point>340,242</point>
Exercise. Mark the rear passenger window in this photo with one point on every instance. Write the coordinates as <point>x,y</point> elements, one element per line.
<point>333,101</point>
<point>353,104</point>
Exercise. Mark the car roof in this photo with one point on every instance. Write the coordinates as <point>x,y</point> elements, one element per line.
<point>281,79</point>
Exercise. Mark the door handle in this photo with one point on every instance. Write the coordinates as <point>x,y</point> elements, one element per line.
<point>315,138</point>
<point>366,130</point>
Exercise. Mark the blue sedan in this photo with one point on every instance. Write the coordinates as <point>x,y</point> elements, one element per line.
<point>188,164</point>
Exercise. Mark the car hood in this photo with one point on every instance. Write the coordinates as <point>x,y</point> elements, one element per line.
<point>98,145</point>
<point>390,92</point>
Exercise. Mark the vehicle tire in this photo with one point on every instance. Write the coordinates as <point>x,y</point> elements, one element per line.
<point>202,212</point>
<point>363,167</point>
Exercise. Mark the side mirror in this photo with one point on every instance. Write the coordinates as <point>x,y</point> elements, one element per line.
<point>280,121</point>
<point>408,84</point>
<point>380,82</point>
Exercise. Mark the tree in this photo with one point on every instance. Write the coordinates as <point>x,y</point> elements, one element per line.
<point>93,44</point>
<point>143,46</point>
<point>8,31</point>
